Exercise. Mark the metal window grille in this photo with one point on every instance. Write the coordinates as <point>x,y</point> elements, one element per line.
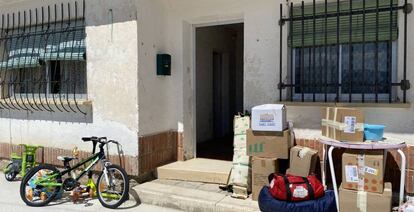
<point>43,59</point>
<point>343,51</point>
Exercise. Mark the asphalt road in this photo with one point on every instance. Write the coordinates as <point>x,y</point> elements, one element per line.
<point>10,201</point>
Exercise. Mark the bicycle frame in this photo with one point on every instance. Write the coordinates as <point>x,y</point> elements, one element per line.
<point>94,159</point>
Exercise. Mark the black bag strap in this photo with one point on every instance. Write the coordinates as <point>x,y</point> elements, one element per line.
<point>271,177</point>
<point>288,191</point>
<point>310,189</point>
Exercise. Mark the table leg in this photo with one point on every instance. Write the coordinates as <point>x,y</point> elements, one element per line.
<point>331,166</point>
<point>402,184</point>
<point>324,166</point>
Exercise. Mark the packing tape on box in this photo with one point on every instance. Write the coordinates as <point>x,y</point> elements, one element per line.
<point>361,172</point>
<point>335,125</point>
<point>340,126</point>
<point>303,152</point>
<point>362,201</point>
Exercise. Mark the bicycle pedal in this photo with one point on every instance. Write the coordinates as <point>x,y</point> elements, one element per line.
<point>43,196</point>
<point>29,195</point>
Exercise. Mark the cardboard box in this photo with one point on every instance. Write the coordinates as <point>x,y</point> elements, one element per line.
<point>343,124</point>
<point>363,170</point>
<point>269,144</point>
<point>350,200</point>
<point>303,161</point>
<point>261,169</point>
<point>269,117</point>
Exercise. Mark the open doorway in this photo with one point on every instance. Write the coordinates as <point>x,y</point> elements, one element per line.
<point>219,88</point>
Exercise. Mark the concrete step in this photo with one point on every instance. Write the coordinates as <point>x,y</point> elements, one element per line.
<point>197,170</point>
<point>191,196</point>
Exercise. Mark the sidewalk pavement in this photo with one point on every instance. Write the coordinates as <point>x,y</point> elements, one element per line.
<point>10,201</point>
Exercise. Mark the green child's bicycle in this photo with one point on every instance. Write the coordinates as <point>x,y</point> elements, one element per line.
<point>20,165</point>
<point>43,183</point>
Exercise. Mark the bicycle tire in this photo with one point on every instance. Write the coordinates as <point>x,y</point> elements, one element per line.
<point>28,176</point>
<point>125,193</point>
<point>11,174</point>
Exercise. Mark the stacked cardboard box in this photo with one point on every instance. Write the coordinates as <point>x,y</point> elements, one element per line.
<point>303,161</point>
<point>261,169</point>
<point>268,141</point>
<point>363,170</point>
<point>363,185</point>
<point>352,200</point>
<point>343,124</point>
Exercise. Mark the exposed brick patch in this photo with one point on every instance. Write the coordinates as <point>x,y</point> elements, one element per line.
<point>49,155</point>
<point>393,176</point>
<point>395,157</point>
<point>159,149</point>
<point>180,146</point>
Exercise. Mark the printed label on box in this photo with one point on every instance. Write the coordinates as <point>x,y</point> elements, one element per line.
<point>267,119</point>
<point>350,122</point>
<point>351,173</point>
<point>256,148</point>
<point>370,170</point>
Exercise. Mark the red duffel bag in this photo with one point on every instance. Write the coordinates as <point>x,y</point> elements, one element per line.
<point>294,188</point>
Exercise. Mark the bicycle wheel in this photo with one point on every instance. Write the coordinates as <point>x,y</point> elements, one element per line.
<point>40,185</point>
<point>10,173</point>
<point>113,190</point>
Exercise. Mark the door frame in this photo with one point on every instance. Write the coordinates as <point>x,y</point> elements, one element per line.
<point>190,132</point>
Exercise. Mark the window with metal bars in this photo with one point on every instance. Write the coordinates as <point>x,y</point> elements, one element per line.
<point>43,59</point>
<point>319,77</point>
<point>343,51</point>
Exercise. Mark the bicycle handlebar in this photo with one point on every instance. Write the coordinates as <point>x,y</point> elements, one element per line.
<point>93,138</point>
<point>102,140</point>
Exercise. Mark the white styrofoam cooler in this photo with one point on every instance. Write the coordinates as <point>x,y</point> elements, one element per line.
<point>269,117</point>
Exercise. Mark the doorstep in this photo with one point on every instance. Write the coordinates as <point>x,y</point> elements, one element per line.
<point>191,196</point>
<point>197,170</point>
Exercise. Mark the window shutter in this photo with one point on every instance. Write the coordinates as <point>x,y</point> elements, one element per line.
<point>27,48</point>
<point>68,44</point>
<point>22,53</point>
<point>331,23</point>
<point>20,62</point>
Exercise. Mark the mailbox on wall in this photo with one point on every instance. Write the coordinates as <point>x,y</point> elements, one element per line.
<point>163,64</point>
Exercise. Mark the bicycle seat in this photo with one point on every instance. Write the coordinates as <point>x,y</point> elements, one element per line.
<point>65,158</point>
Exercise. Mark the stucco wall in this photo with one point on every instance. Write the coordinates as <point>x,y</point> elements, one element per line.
<point>112,84</point>
<point>158,95</point>
<point>261,62</point>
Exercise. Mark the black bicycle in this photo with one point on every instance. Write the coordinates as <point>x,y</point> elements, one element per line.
<point>44,182</point>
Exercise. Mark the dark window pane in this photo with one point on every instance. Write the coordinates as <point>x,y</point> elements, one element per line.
<point>55,77</point>
<point>363,81</point>
<point>315,75</point>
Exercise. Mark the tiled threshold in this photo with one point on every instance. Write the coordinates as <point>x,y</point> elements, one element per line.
<point>196,170</point>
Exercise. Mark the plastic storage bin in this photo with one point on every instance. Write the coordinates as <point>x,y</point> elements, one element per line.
<point>373,132</point>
